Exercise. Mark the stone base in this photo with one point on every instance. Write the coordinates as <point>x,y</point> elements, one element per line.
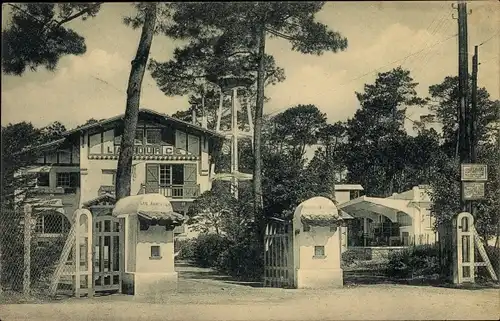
<point>320,279</point>
<point>151,284</point>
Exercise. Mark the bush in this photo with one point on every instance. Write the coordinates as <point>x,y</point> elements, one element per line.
<point>240,257</point>
<point>186,248</point>
<point>418,261</point>
<point>44,258</point>
<point>351,256</point>
<point>243,258</point>
<point>208,248</point>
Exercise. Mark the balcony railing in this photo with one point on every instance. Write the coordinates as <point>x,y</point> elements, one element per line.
<point>180,191</point>
<point>55,190</point>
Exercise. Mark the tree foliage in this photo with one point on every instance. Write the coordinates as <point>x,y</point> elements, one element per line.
<point>444,97</point>
<point>445,181</point>
<point>378,144</point>
<point>41,25</point>
<point>243,26</point>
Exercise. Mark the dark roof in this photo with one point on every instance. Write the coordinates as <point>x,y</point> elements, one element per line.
<point>150,112</point>
<point>99,199</point>
<point>115,118</point>
<point>53,143</point>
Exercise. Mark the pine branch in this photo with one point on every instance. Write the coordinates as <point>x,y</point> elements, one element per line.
<point>78,14</point>
<point>279,34</point>
<point>27,13</point>
<point>239,53</point>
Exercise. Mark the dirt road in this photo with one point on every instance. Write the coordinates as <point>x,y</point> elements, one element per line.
<point>205,296</point>
<point>382,302</point>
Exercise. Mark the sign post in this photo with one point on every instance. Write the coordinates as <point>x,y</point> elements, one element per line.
<point>474,172</point>
<point>473,177</point>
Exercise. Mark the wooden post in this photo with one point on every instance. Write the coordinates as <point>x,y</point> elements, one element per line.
<point>76,259</point>
<point>27,250</point>
<point>122,262</point>
<point>90,247</point>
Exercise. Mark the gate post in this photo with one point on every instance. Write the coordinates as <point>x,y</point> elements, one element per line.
<point>463,248</point>
<point>317,245</point>
<point>83,218</point>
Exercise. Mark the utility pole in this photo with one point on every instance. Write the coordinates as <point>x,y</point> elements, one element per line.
<point>463,73</point>
<point>473,112</point>
<point>473,120</point>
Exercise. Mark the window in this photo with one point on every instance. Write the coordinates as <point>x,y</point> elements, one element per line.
<point>139,137</point>
<point>168,135</point>
<point>42,179</point>
<point>155,252</point>
<point>171,175</point>
<point>153,136</point>
<point>319,251</point>
<point>165,175</point>
<point>54,223</point>
<point>68,179</point>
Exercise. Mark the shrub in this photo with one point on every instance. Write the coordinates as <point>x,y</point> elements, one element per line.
<point>186,248</point>
<point>207,249</point>
<point>422,260</point>
<point>351,256</point>
<point>44,258</point>
<point>243,258</point>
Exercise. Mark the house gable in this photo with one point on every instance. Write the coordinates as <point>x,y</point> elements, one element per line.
<point>156,138</point>
<point>63,152</point>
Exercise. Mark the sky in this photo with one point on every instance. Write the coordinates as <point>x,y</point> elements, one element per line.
<point>420,36</point>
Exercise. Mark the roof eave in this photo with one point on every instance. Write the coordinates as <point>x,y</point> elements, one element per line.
<point>145,110</point>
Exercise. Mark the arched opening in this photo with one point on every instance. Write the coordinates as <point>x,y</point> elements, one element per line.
<point>52,223</point>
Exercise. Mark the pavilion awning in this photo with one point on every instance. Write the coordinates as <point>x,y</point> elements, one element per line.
<point>151,207</point>
<point>373,206</point>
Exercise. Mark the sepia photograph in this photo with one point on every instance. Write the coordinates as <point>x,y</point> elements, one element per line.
<point>255,160</point>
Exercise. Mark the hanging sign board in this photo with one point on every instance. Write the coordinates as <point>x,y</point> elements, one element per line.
<point>473,190</point>
<point>474,172</point>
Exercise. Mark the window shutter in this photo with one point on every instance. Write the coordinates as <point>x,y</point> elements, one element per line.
<point>180,139</point>
<point>152,179</point>
<point>190,174</point>
<point>194,145</point>
<point>190,179</point>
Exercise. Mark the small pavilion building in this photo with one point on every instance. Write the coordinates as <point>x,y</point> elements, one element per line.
<point>148,221</point>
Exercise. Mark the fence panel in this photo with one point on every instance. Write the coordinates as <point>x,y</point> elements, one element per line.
<point>43,238</point>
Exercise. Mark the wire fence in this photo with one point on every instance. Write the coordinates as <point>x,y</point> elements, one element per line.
<point>29,254</point>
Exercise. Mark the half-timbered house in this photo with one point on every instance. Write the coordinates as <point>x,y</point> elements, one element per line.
<point>171,157</point>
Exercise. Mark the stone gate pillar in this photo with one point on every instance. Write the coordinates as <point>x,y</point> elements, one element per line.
<point>317,244</point>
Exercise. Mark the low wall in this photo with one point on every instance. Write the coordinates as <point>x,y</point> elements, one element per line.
<point>374,252</point>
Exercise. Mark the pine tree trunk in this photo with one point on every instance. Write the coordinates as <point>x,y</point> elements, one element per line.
<point>124,169</point>
<point>259,108</point>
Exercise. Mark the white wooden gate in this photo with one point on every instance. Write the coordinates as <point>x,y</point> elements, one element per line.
<point>278,255</point>
<point>107,253</point>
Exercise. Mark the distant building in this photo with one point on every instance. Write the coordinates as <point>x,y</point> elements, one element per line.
<point>345,192</point>
<point>399,220</point>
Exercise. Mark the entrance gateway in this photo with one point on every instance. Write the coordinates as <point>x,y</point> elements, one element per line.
<point>129,251</point>
<point>305,253</point>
